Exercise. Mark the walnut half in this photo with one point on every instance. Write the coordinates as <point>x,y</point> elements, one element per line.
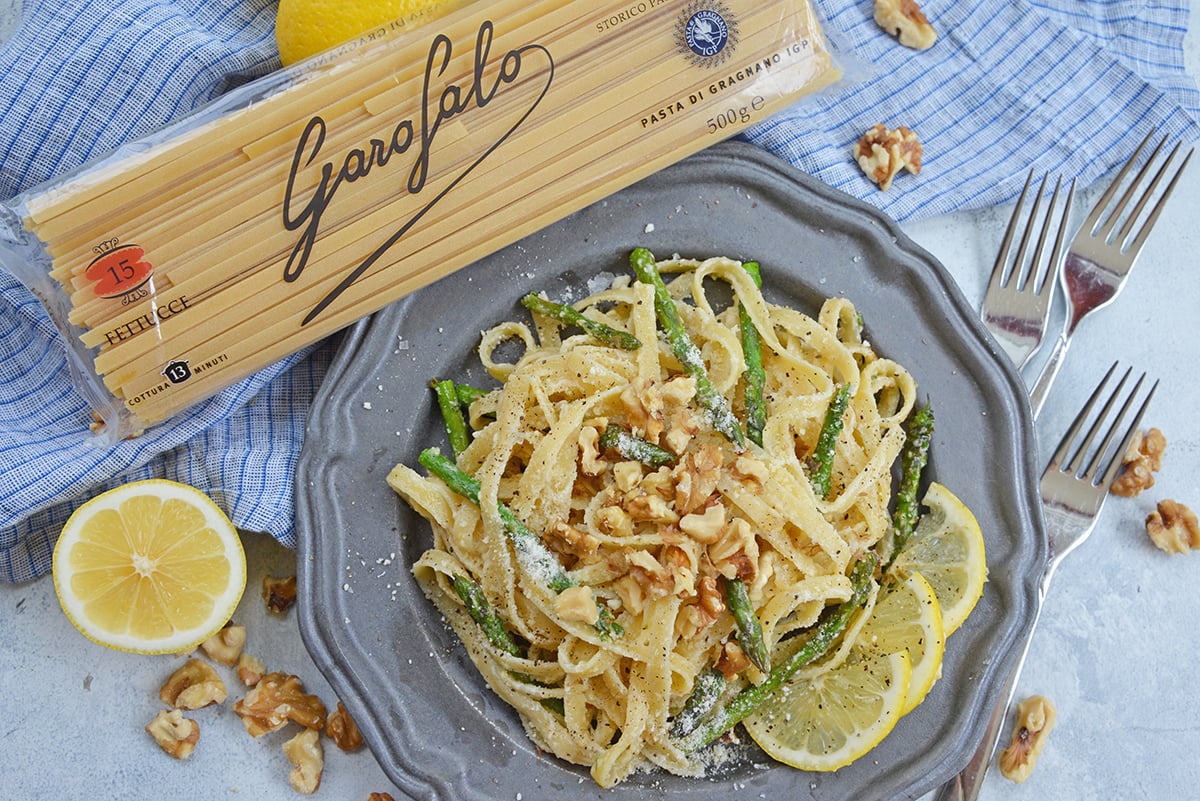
<point>307,756</point>
<point>342,729</point>
<point>1173,527</point>
<point>882,153</point>
<point>1139,464</point>
<point>905,20</point>
<point>226,645</point>
<point>276,699</point>
<point>279,593</point>
<point>175,734</point>
<point>194,685</point>
<point>250,669</point>
<point>1035,719</point>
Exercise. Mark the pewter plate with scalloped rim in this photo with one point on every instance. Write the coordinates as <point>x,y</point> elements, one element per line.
<point>432,723</point>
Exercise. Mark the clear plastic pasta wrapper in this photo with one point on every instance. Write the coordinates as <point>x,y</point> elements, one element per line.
<point>304,201</point>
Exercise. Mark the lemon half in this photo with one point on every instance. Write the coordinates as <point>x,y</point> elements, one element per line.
<point>149,567</point>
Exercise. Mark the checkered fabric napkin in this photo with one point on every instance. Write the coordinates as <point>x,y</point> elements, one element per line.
<point>1063,85</point>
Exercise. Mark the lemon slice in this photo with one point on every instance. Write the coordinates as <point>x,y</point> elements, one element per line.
<point>947,549</point>
<point>829,719</point>
<point>907,617</point>
<point>150,567</point>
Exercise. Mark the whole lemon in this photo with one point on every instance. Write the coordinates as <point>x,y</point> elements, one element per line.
<point>306,27</point>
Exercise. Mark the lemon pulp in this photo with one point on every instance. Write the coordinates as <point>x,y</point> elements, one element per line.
<point>149,567</point>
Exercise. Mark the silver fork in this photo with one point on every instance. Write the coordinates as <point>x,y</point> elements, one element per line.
<point>1016,307</point>
<point>1074,487</point>
<point>1101,255</point>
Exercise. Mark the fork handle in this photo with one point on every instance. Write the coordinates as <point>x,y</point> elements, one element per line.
<point>967,783</point>
<point>1045,379</point>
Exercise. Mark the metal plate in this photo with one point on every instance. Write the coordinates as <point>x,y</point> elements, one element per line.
<point>430,720</point>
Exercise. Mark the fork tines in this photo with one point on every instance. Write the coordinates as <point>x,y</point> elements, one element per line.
<point>1098,464</point>
<point>1037,270</point>
<point>1128,238</point>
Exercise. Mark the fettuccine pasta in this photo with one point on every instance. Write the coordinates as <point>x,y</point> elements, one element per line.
<point>652,548</point>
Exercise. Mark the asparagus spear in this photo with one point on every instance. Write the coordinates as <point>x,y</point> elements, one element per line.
<point>635,448</point>
<point>756,409</point>
<point>831,429</point>
<point>468,394</point>
<point>534,556</point>
<point>750,633</point>
<point>912,461</point>
<point>832,623</point>
<point>705,693</point>
<point>707,395</point>
<point>570,316</point>
<point>482,613</point>
<point>452,415</point>
<point>493,627</point>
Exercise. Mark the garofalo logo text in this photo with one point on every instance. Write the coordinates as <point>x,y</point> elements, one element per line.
<point>408,137</point>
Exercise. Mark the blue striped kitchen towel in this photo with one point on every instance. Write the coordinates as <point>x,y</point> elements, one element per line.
<point>77,79</point>
<point>1064,85</point>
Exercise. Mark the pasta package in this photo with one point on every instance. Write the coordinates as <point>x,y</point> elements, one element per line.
<point>302,202</point>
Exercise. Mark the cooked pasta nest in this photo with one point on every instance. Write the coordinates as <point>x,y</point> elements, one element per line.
<point>654,546</point>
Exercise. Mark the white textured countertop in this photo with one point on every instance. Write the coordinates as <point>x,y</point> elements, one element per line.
<point>1115,649</point>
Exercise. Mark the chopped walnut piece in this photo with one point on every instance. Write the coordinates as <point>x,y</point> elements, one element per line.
<point>735,555</point>
<point>1034,720</point>
<point>677,438</point>
<point>711,603</point>
<point>747,469</point>
<point>615,521</point>
<point>1173,527</point>
<point>643,404</point>
<point>307,756</point>
<point>626,475</point>
<point>1140,463</point>
<point>683,429</point>
<point>577,604</point>
<point>342,729</point>
<point>905,20</point>
<point>733,660</point>
<point>650,507</point>
<point>590,460</point>
<point>226,645</point>
<point>276,699</point>
<point>882,153</point>
<point>661,482</point>
<point>279,593</point>
<point>567,540</point>
<point>682,564</point>
<point>193,686</point>
<point>250,669</point>
<point>707,527</point>
<point>696,478</point>
<point>649,575</point>
<point>175,734</point>
<point>380,797</point>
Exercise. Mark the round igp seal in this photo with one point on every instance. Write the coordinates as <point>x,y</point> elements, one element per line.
<point>706,33</point>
